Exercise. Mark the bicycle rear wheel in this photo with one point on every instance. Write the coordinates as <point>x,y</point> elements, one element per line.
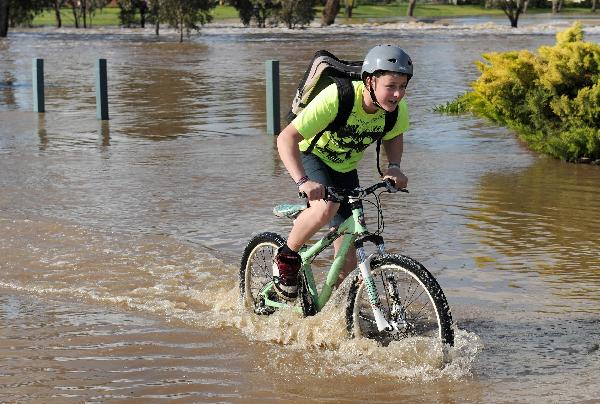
<point>411,298</point>
<point>256,269</point>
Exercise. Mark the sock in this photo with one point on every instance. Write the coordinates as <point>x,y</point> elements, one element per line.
<point>286,250</point>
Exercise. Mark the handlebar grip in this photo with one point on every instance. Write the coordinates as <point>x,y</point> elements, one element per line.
<point>303,194</point>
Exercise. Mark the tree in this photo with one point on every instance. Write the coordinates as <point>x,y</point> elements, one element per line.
<point>260,10</point>
<point>126,12</point>
<point>410,10</point>
<point>18,12</point>
<point>76,13</point>
<point>4,18</point>
<point>88,9</point>
<point>331,9</point>
<point>185,15</point>
<point>154,14</point>
<point>56,6</point>
<point>295,12</point>
<point>513,9</point>
<point>557,6</point>
<point>129,8</point>
<point>244,9</point>
<point>349,6</point>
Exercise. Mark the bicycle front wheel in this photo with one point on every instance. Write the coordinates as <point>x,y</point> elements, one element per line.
<point>412,301</point>
<point>256,269</point>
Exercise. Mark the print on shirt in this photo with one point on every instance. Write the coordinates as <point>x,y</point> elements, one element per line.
<point>348,141</point>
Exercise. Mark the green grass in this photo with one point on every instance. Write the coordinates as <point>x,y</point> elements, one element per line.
<point>225,13</point>
<point>106,16</point>
<point>422,10</point>
<point>109,16</point>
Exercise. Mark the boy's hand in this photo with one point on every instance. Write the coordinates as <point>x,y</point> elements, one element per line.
<point>398,176</point>
<point>313,190</point>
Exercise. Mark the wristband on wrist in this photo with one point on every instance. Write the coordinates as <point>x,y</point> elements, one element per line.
<point>394,165</point>
<point>302,181</point>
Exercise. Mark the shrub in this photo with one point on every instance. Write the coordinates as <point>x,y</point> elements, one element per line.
<point>551,98</point>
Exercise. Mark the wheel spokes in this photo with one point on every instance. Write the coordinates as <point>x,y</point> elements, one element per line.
<point>406,304</point>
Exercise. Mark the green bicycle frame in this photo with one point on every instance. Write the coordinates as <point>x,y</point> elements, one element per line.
<point>350,229</point>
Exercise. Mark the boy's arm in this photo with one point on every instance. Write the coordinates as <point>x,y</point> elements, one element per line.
<point>287,146</point>
<point>393,150</point>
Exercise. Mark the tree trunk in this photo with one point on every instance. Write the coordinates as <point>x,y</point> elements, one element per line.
<point>84,12</point>
<point>525,4</point>
<point>3,18</point>
<point>180,26</point>
<point>593,6</point>
<point>75,16</point>
<point>330,11</point>
<point>143,7</point>
<point>513,11</point>
<point>554,6</point>
<point>410,11</point>
<point>154,11</point>
<point>57,13</point>
<point>349,6</point>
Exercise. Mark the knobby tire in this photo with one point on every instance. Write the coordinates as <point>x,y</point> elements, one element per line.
<point>425,304</point>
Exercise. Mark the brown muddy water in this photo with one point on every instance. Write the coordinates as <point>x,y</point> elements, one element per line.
<point>120,241</point>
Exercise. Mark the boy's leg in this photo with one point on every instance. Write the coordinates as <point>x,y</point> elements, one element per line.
<point>351,261</point>
<point>288,261</point>
<point>310,221</point>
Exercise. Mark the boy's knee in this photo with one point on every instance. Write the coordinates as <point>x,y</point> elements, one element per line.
<point>326,212</point>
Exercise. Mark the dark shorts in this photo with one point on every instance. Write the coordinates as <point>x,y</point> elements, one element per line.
<point>320,172</point>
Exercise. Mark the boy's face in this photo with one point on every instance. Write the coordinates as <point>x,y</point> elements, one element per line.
<point>389,89</point>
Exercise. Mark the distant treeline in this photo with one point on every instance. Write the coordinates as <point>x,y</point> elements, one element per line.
<point>187,15</point>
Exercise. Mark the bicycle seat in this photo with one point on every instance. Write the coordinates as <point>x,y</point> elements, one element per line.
<point>288,210</point>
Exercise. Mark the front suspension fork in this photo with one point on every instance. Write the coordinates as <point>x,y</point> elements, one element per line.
<point>365,270</point>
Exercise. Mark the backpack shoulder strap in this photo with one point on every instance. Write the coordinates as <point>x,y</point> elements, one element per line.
<point>345,104</point>
<point>390,122</point>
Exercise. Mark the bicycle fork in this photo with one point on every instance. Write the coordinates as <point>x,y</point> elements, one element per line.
<point>365,271</point>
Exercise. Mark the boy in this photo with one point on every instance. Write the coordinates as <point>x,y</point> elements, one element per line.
<point>385,73</point>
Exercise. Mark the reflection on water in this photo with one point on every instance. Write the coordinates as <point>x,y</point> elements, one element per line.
<point>120,239</point>
<point>544,219</point>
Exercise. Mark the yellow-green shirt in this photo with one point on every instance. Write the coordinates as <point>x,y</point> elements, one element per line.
<point>343,149</point>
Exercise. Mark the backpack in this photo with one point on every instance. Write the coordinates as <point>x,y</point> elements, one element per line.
<point>323,70</point>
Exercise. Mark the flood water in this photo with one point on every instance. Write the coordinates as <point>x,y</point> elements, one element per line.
<point>120,241</point>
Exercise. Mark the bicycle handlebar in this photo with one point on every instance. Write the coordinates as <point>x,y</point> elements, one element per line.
<point>334,194</point>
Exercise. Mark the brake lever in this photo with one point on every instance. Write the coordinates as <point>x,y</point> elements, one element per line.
<point>390,185</point>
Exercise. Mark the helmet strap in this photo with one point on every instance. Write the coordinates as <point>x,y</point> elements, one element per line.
<point>372,93</point>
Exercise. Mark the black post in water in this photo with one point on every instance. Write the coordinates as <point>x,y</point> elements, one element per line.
<point>37,71</point>
<point>101,90</point>
<point>272,76</point>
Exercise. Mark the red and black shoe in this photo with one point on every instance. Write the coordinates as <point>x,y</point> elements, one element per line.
<point>285,274</point>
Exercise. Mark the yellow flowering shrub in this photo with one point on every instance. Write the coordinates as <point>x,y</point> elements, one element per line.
<point>551,98</point>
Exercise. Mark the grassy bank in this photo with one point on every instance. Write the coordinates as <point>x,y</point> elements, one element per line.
<point>109,16</point>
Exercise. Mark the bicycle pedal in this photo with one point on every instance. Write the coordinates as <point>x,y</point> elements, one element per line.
<point>263,310</point>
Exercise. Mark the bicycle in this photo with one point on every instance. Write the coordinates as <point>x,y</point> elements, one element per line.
<point>391,296</point>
